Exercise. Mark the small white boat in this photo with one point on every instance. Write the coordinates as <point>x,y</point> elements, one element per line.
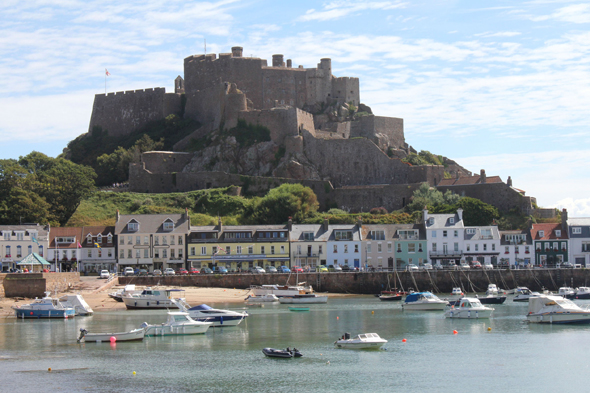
<point>492,290</point>
<point>516,291</point>
<point>524,294</point>
<point>424,301</point>
<point>567,292</point>
<point>78,303</point>
<point>152,299</point>
<point>46,307</point>
<point>303,299</point>
<point>133,335</point>
<point>204,313</point>
<point>282,290</point>
<point>469,308</point>
<point>582,293</point>
<point>129,289</point>
<point>178,324</point>
<point>268,298</point>
<point>556,309</point>
<point>457,291</point>
<point>362,341</point>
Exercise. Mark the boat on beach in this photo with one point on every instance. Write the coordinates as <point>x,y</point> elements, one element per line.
<point>78,303</point>
<point>46,307</point>
<point>270,298</point>
<point>469,308</point>
<point>205,313</point>
<point>282,290</point>
<point>133,335</point>
<point>118,295</point>
<point>178,324</point>
<point>304,299</point>
<point>152,299</point>
<point>424,301</point>
<point>556,309</point>
<point>362,341</point>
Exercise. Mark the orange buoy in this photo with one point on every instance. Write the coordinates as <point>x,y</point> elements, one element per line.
<point>337,318</point>
<point>455,332</point>
<point>404,340</point>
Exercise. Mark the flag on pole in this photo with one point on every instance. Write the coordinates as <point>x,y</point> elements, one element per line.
<point>35,240</point>
<point>79,245</point>
<point>106,72</point>
<point>97,245</point>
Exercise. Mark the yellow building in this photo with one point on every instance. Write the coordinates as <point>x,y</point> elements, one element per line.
<point>238,247</point>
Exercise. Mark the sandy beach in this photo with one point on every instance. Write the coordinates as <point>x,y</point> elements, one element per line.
<point>95,292</point>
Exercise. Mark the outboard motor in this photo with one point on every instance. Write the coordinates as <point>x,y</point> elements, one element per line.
<point>347,336</point>
<point>82,334</point>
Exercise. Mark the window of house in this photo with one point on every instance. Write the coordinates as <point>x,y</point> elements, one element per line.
<point>133,227</point>
<point>110,253</point>
<point>6,235</point>
<point>493,247</point>
<point>538,246</point>
<point>214,250</point>
<point>122,254</point>
<point>485,247</point>
<point>129,253</point>
<point>541,233</point>
<point>145,253</point>
<point>172,243</point>
<point>238,249</point>
<point>335,248</point>
<point>563,246</point>
<point>468,247</point>
<point>456,246</point>
<point>576,230</point>
<point>444,233</point>
<point>172,253</point>
<point>434,247</point>
<point>346,248</point>
<point>168,225</point>
<point>369,247</point>
<point>19,252</point>
<point>389,247</point>
<point>379,247</point>
<point>431,220</point>
<point>470,231</point>
<point>272,250</point>
<point>547,246</point>
<point>89,239</point>
<point>41,250</point>
<point>420,247</point>
<point>451,220</point>
<point>433,233</point>
<point>165,240</point>
<point>89,253</point>
<point>411,247</point>
<point>250,250</point>
<point>164,253</point>
<point>228,250</point>
<point>180,253</point>
<point>121,240</point>
<point>282,249</point>
<point>137,239</point>
<point>157,240</point>
<point>477,247</point>
<point>99,239</point>
<point>307,235</point>
<point>343,235</point>
<point>137,253</point>
<point>378,235</point>
<point>320,249</point>
<point>456,233</point>
<point>109,238</point>
<point>526,249</point>
<point>555,246</point>
<point>558,232</point>
<point>399,247</point>
<point>262,250</point>
<point>180,240</point>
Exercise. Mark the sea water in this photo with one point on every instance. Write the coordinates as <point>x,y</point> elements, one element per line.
<point>513,356</point>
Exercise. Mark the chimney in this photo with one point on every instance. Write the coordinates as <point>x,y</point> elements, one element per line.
<point>290,224</point>
<point>564,220</point>
<point>482,176</point>
<point>289,63</point>
<point>325,225</point>
<point>509,181</point>
<point>359,222</point>
<point>425,214</point>
<point>458,175</point>
<point>460,213</point>
<point>117,216</point>
<point>219,224</point>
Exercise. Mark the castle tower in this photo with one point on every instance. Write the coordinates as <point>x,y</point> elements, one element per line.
<point>277,61</point>
<point>482,176</point>
<point>179,85</point>
<point>236,51</point>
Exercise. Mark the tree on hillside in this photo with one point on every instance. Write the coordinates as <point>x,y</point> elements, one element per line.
<point>287,200</point>
<point>476,212</point>
<point>431,198</point>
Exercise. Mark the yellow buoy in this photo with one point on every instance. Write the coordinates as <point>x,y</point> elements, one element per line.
<point>372,312</point>
<point>489,329</point>
<point>134,373</point>
<point>49,369</point>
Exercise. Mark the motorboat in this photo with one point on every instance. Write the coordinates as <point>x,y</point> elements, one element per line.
<point>269,298</point>
<point>282,353</point>
<point>282,290</point>
<point>204,313</point>
<point>582,293</point>
<point>556,309</point>
<point>516,291</point>
<point>524,294</point>
<point>492,299</point>
<point>311,298</point>
<point>298,308</point>
<point>457,291</point>
<point>178,324</point>
<point>423,301</point>
<point>152,299</point>
<point>493,290</point>
<point>133,335</point>
<point>362,341</point>
<point>129,289</point>
<point>567,292</point>
<point>78,303</point>
<point>46,307</point>
<point>389,298</point>
<point>469,308</point>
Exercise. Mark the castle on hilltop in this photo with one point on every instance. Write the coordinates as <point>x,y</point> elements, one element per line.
<point>315,131</point>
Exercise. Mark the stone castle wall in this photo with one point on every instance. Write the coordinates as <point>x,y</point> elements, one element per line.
<point>165,161</point>
<point>282,122</point>
<point>499,195</point>
<point>124,112</point>
<point>362,199</point>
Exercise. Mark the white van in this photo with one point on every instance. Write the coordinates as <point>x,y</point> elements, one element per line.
<point>128,271</point>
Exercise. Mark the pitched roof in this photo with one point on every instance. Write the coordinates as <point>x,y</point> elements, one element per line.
<point>75,232</point>
<point>152,223</point>
<point>549,231</point>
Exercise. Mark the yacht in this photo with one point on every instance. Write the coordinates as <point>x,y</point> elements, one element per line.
<point>282,290</point>
<point>152,299</point>
<point>423,301</point>
<point>46,307</point>
<point>362,341</point>
<point>469,308</point>
<point>524,294</point>
<point>567,292</point>
<point>556,309</point>
<point>204,313</point>
<point>582,293</point>
<point>178,323</point>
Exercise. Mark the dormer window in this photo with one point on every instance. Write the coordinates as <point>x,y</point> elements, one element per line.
<point>133,226</point>
<point>558,232</point>
<point>109,238</point>
<point>89,238</point>
<point>541,233</point>
<point>431,221</point>
<point>168,225</point>
<point>99,239</point>
<point>451,220</point>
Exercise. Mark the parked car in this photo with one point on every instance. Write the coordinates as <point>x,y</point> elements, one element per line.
<point>128,271</point>
<point>297,269</point>
<point>438,266</point>
<point>157,272</point>
<point>193,270</point>
<point>256,270</point>
<point>464,265</point>
<point>334,268</point>
<point>206,270</point>
<point>427,266</point>
<point>271,269</point>
<point>321,269</point>
<point>488,265</point>
<point>220,269</point>
<point>346,268</point>
<point>411,268</point>
<point>142,272</point>
<point>566,265</point>
<point>104,274</point>
<point>182,271</point>
<point>284,269</point>
<point>169,271</point>
<point>475,265</point>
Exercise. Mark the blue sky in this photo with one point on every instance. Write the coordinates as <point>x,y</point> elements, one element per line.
<point>495,85</point>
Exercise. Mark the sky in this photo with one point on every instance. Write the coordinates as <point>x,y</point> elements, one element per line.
<point>497,85</point>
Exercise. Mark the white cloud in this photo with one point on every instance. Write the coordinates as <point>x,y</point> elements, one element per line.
<point>499,34</point>
<point>577,13</point>
<point>340,9</point>
<point>575,207</point>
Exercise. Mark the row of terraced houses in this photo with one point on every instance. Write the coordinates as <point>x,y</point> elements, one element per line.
<point>159,241</point>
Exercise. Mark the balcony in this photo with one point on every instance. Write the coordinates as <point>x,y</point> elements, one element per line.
<point>306,255</point>
<point>446,254</point>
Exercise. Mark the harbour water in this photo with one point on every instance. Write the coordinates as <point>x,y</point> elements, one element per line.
<point>514,355</point>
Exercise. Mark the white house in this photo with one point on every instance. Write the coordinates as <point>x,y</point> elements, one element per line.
<point>445,237</point>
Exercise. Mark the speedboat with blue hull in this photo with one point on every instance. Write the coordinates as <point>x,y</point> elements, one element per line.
<point>46,307</point>
<point>205,313</point>
<point>424,301</point>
